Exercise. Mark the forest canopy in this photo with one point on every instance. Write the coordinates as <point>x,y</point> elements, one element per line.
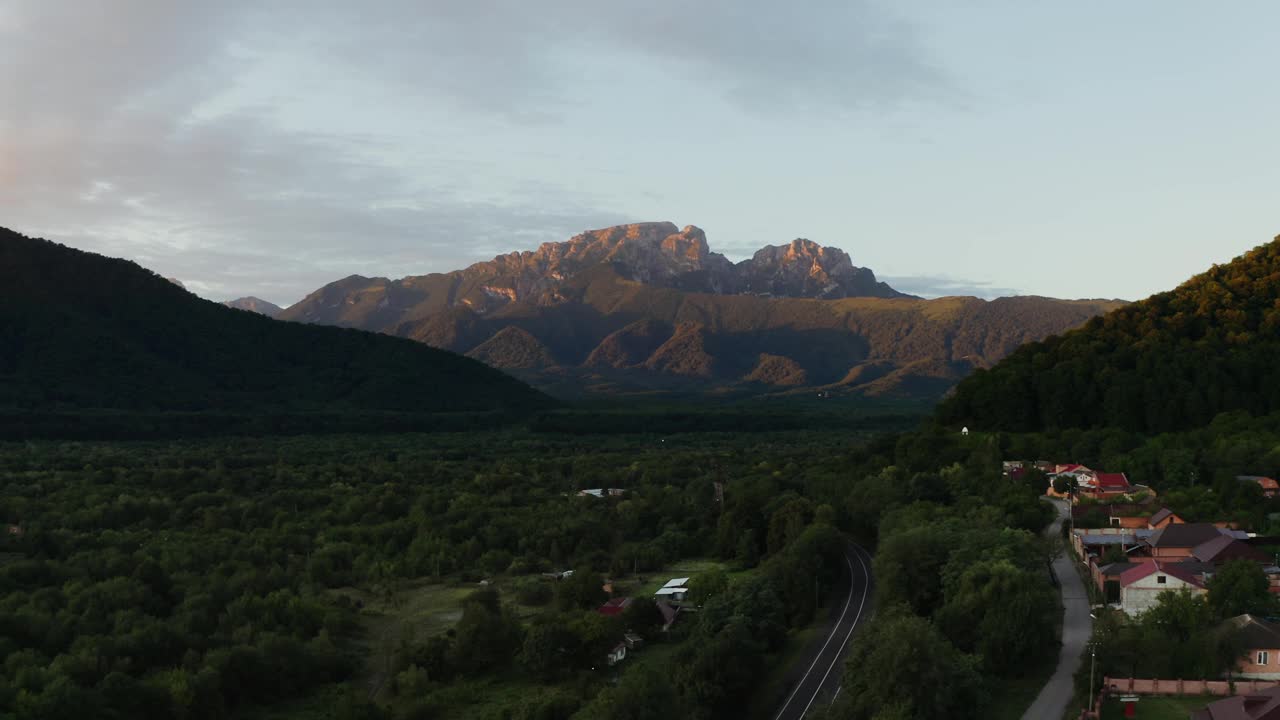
<point>1171,362</point>
<point>79,330</point>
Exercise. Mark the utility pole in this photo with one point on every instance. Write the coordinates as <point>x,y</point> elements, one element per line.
<point>1093,656</point>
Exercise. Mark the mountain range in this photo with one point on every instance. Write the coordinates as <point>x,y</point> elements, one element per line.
<point>81,331</point>
<point>648,307</point>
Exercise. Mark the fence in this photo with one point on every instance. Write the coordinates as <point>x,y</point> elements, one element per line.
<point>1134,686</point>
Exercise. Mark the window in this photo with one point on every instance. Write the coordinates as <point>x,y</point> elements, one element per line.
<point>1160,579</point>
<point>1263,657</point>
<point>1115,522</point>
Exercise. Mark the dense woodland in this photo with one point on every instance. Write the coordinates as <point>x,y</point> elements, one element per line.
<point>1171,362</point>
<point>222,578</point>
<point>205,579</point>
<point>79,330</point>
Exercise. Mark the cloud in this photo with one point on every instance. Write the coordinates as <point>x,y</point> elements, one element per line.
<point>934,286</point>
<point>117,134</point>
<point>529,60</point>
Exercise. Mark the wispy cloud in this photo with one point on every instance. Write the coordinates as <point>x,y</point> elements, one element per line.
<point>116,134</point>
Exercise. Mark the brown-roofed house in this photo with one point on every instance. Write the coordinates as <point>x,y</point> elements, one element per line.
<point>1259,643</point>
<point>1262,705</point>
<point>1225,548</point>
<point>1177,541</point>
<point>1163,518</point>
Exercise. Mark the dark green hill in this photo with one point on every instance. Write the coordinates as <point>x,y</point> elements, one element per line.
<point>1170,362</point>
<point>83,331</point>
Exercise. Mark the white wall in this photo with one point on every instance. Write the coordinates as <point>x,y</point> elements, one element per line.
<point>1143,594</point>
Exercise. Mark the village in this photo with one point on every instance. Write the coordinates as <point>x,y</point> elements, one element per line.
<point>1131,549</point>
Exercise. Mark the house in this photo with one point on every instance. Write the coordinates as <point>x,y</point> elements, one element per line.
<point>1107,579</point>
<point>602,492</point>
<point>617,654</point>
<point>1164,517</point>
<point>669,613</point>
<point>1095,542</point>
<point>614,607</point>
<point>1259,643</point>
<point>1141,583</point>
<point>1261,705</point>
<point>1270,488</point>
<point>674,591</point>
<point>632,640</point>
<point>1226,548</point>
<point>1112,483</point>
<point>1083,476</point>
<point>1173,542</point>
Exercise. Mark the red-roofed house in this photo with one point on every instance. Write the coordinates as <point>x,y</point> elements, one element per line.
<point>1270,488</point>
<point>614,607</point>
<point>1112,482</point>
<point>1142,583</point>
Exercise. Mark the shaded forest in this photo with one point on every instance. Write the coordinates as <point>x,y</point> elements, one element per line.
<point>1171,362</point>
<point>79,330</point>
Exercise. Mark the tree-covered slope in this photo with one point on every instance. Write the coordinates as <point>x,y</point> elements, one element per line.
<point>1170,362</point>
<point>79,330</point>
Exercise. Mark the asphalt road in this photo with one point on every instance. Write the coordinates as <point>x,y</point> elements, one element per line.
<point>1077,627</point>
<point>819,683</point>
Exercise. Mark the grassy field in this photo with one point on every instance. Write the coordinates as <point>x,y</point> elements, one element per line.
<point>414,612</point>
<point>651,582</point>
<point>1158,708</point>
<point>421,608</point>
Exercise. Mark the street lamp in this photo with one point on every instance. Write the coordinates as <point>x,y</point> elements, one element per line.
<point>1093,660</point>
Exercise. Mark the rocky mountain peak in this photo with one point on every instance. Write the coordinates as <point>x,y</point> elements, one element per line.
<point>804,268</point>
<point>653,253</point>
<point>255,304</point>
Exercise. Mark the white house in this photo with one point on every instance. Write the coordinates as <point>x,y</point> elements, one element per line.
<point>674,590</point>
<point>1141,585</point>
<point>618,653</point>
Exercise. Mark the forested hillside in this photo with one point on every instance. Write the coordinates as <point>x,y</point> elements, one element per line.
<point>1171,362</point>
<point>79,330</point>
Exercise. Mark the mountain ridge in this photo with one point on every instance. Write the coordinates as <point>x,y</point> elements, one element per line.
<point>656,253</point>
<point>648,305</point>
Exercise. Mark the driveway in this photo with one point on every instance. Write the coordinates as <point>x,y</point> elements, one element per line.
<point>1077,628</point>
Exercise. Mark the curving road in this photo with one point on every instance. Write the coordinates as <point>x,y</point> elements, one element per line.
<point>820,682</point>
<point>1077,627</point>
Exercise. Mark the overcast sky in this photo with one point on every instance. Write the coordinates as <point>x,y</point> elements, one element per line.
<point>1089,149</point>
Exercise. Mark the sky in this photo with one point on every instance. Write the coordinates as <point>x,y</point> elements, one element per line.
<point>1089,149</point>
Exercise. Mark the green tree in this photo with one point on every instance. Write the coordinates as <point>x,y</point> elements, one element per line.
<point>642,616</point>
<point>1001,612</point>
<point>582,590</point>
<point>1064,485</point>
<point>1239,587</point>
<point>644,694</point>
<point>903,656</point>
<point>706,585</point>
